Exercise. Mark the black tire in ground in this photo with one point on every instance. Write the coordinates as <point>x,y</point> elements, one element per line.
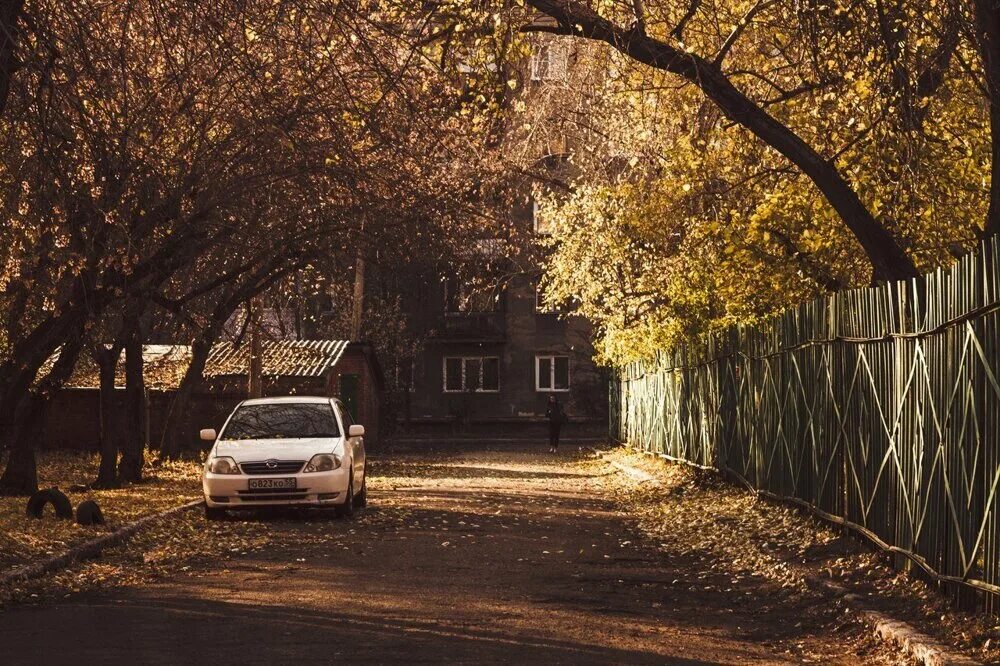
<point>88,513</point>
<point>214,513</point>
<point>53,496</point>
<point>346,510</point>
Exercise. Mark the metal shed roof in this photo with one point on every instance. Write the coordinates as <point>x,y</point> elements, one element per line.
<point>289,358</point>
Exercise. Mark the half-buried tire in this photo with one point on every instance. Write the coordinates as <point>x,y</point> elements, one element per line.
<point>53,496</point>
<point>88,513</point>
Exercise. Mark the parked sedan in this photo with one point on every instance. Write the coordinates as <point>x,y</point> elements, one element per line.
<point>293,451</point>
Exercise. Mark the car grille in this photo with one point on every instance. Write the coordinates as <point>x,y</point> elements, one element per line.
<point>267,494</point>
<point>280,467</point>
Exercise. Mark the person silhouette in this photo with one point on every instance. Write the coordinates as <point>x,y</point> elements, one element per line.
<point>554,413</point>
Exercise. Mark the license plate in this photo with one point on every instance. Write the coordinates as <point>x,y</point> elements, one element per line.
<point>271,484</point>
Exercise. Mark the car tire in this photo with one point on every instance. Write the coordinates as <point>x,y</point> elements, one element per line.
<point>214,513</point>
<point>53,496</point>
<point>362,499</point>
<point>346,510</point>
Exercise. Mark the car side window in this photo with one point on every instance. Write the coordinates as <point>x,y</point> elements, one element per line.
<point>345,416</point>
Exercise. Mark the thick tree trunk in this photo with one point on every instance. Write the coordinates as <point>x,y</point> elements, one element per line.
<point>10,13</point>
<point>888,259</point>
<point>177,424</point>
<point>107,361</point>
<point>130,465</point>
<point>988,41</point>
<point>21,476</point>
<point>30,353</point>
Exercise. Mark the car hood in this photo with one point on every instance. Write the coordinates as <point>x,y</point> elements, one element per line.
<point>248,450</point>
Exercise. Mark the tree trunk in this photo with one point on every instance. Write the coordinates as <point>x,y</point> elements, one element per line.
<point>107,361</point>
<point>988,41</point>
<point>358,301</point>
<point>888,259</point>
<point>10,14</point>
<point>130,465</point>
<point>21,474</point>
<point>255,384</point>
<point>177,424</point>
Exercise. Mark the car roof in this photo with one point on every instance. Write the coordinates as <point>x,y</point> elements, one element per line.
<point>285,400</point>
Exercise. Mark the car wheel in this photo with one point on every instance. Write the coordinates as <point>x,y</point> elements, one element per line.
<point>362,499</point>
<point>346,510</point>
<point>214,513</point>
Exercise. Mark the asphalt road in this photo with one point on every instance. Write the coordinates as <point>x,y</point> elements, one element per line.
<point>503,555</point>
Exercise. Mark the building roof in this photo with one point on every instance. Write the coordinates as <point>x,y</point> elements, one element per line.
<point>163,368</point>
<point>287,358</point>
<point>164,365</point>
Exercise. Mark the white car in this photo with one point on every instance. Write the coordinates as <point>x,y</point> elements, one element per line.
<point>293,451</point>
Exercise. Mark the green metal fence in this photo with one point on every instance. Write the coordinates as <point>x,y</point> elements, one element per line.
<point>877,408</point>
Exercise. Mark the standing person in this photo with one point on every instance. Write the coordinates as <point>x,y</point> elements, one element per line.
<point>556,416</point>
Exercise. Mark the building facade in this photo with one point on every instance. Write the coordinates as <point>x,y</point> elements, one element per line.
<point>492,353</point>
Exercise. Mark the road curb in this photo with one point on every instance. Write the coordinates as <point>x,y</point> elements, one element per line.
<point>920,647</point>
<point>88,549</point>
<point>633,472</point>
<point>923,649</point>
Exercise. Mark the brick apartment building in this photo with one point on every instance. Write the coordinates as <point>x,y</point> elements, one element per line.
<point>491,358</point>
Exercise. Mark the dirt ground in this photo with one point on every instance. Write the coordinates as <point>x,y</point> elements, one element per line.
<point>500,554</point>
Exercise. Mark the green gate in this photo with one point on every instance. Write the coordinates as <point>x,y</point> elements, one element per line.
<point>349,393</point>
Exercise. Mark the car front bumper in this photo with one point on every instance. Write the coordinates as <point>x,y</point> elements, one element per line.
<point>315,489</point>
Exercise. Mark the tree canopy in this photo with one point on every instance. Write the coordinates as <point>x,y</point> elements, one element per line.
<point>734,157</point>
<point>164,162</point>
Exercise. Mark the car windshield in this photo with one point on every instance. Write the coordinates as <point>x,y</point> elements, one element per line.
<point>288,420</point>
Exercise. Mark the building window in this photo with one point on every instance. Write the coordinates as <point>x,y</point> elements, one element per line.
<point>471,374</point>
<point>540,306</point>
<point>549,62</point>
<point>542,224</point>
<point>552,373</point>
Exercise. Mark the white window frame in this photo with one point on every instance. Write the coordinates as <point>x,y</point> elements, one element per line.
<point>534,218</point>
<point>552,373</point>
<point>540,307</point>
<point>465,359</point>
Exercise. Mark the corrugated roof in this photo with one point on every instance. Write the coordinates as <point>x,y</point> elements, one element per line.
<point>163,367</point>
<point>288,358</point>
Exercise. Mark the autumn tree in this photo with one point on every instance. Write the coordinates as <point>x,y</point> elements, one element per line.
<point>183,158</point>
<point>695,130</point>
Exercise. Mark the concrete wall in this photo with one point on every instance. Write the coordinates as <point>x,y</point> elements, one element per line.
<point>73,417</point>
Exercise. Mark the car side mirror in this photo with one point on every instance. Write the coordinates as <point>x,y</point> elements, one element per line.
<point>208,434</point>
<point>356,431</point>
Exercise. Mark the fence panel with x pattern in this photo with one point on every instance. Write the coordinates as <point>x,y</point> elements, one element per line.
<point>879,408</point>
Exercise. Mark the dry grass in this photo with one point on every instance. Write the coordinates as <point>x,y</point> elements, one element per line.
<point>24,539</point>
<point>696,513</point>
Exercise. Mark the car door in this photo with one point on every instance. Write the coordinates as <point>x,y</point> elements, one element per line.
<point>356,444</point>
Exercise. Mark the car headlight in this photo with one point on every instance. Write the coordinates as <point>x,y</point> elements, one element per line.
<point>223,465</point>
<point>322,462</point>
